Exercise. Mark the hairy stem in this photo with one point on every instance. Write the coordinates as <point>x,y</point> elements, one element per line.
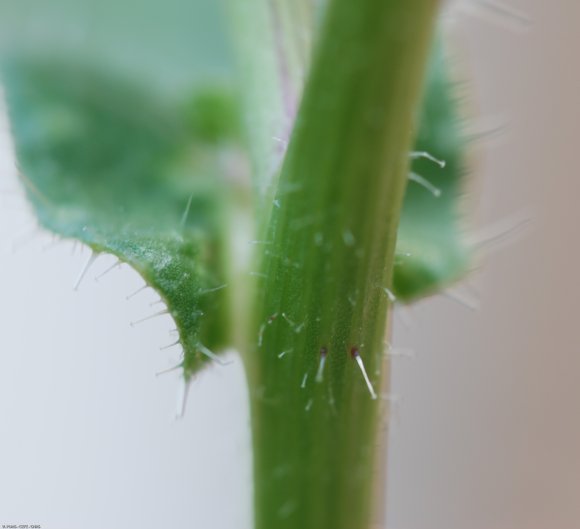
<point>328,258</point>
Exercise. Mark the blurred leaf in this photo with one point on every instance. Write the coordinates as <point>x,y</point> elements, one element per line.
<point>170,45</point>
<point>431,252</point>
<point>108,165</point>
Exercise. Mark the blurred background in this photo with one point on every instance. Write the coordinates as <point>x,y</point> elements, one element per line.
<point>485,430</point>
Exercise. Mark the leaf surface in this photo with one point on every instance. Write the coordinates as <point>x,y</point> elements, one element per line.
<point>107,164</point>
<point>431,248</point>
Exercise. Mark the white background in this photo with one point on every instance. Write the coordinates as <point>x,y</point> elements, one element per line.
<point>486,433</point>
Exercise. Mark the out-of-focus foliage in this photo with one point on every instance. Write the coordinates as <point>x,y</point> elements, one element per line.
<point>109,165</point>
<point>431,248</point>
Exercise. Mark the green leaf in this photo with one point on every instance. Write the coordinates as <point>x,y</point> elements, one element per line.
<point>170,45</point>
<point>105,163</point>
<point>431,251</point>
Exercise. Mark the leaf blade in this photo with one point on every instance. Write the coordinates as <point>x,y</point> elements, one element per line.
<point>431,249</point>
<point>108,165</point>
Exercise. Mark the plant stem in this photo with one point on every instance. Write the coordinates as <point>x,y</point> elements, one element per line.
<point>328,258</point>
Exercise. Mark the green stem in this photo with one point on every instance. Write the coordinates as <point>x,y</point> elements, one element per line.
<point>328,258</point>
